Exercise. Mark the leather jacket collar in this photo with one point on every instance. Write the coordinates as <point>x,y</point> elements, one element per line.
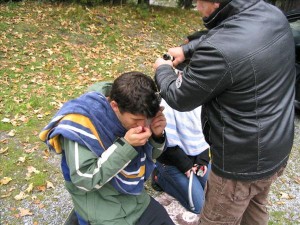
<point>227,10</point>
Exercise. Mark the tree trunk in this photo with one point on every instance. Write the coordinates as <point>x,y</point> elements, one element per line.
<point>289,5</point>
<point>116,2</point>
<point>147,2</point>
<point>186,4</point>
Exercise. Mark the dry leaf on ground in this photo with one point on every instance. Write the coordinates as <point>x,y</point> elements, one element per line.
<point>12,133</point>
<point>49,184</point>
<point>3,150</point>
<point>5,180</point>
<point>30,188</point>
<point>25,212</point>
<point>20,196</point>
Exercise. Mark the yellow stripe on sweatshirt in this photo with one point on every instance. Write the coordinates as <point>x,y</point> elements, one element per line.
<point>85,122</point>
<point>141,173</point>
<point>55,143</point>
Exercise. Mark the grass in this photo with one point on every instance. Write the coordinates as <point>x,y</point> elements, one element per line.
<point>278,218</point>
<point>51,53</point>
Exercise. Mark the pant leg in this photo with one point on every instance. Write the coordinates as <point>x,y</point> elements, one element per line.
<point>176,184</point>
<point>222,206</point>
<point>231,202</point>
<point>81,221</point>
<point>256,212</point>
<point>155,214</point>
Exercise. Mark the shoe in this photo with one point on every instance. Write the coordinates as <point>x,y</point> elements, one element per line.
<point>154,183</point>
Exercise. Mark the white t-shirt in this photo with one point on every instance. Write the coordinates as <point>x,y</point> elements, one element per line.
<point>185,130</point>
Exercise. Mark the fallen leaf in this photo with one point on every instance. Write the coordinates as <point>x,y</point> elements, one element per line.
<point>20,196</point>
<point>5,180</point>
<point>30,150</point>
<point>284,195</point>
<point>32,169</point>
<point>30,188</point>
<point>49,185</point>
<point>37,201</point>
<point>292,196</point>
<point>12,133</point>
<point>297,180</point>
<point>23,119</point>
<point>14,123</point>
<point>3,150</point>
<point>280,203</point>
<point>22,159</point>
<point>5,120</point>
<point>46,153</point>
<point>4,141</point>
<point>25,212</point>
<point>17,100</point>
<point>41,188</point>
<point>50,52</point>
<point>5,195</point>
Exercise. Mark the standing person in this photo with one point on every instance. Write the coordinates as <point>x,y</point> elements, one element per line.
<point>242,72</point>
<point>107,146</point>
<point>187,152</point>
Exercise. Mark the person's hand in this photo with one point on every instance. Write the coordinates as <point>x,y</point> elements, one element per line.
<point>178,55</point>
<point>201,170</point>
<point>192,170</point>
<point>186,41</point>
<point>158,123</point>
<point>138,136</point>
<point>161,61</point>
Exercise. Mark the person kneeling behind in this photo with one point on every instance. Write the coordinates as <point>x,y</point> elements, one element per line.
<point>187,155</point>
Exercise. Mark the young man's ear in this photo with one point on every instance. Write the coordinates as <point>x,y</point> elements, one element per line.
<point>114,106</point>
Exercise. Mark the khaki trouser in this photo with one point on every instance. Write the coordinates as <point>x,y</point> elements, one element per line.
<point>232,202</point>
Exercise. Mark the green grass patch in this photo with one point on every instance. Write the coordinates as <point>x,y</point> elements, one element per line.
<point>278,218</point>
<point>51,53</point>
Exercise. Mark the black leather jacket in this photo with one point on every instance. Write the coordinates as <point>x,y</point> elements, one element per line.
<point>243,73</point>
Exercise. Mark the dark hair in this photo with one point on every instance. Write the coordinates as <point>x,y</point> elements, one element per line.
<point>136,93</point>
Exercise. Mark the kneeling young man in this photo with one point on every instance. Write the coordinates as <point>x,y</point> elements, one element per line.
<point>108,139</point>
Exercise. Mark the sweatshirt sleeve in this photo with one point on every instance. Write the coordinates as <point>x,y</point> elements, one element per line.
<point>175,156</point>
<point>203,158</point>
<point>158,147</point>
<point>89,172</point>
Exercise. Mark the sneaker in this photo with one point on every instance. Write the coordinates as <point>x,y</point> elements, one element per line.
<point>154,183</point>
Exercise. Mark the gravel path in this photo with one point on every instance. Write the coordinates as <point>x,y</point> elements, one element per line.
<point>285,194</point>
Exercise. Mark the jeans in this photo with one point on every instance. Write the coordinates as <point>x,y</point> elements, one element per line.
<point>233,202</point>
<point>176,184</point>
<point>155,214</point>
